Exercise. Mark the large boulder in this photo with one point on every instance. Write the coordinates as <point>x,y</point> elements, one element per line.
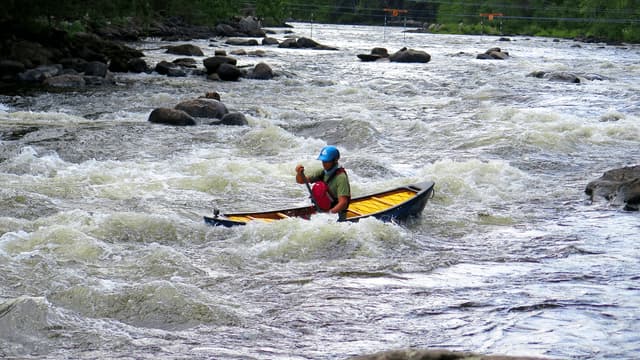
<point>163,67</point>
<point>242,42</point>
<point>203,108</point>
<point>251,26</point>
<point>493,54</point>
<point>620,186</point>
<point>186,62</point>
<point>213,63</point>
<point>185,49</point>
<point>73,81</point>
<point>241,26</point>
<point>137,65</point>
<point>96,68</point>
<point>304,43</point>
<point>270,41</point>
<point>376,54</point>
<point>261,71</point>
<point>171,117</point>
<point>559,76</point>
<point>40,73</point>
<point>228,72</point>
<point>410,56</point>
<point>234,118</point>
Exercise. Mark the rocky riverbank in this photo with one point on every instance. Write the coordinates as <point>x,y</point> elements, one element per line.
<point>53,58</point>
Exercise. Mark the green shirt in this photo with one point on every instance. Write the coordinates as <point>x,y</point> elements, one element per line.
<point>339,185</point>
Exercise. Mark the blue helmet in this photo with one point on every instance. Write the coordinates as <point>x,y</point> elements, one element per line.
<point>329,153</point>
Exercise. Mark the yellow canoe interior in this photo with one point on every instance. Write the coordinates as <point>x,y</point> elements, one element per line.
<point>358,207</point>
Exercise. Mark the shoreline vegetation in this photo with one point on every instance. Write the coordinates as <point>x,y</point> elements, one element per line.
<point>591,20</point>
<point>34,34</point>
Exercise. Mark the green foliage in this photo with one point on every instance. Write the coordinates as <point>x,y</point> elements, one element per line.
<point>56,13</point>
<point>606,19</point>
<point>272,10</point>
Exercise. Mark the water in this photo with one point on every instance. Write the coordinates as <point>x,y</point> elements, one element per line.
<point>104,252</point>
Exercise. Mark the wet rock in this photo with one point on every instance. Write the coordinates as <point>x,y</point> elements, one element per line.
<point>77,64</point>
<point>213,63</point>
<point>620,186</point>
<point>164,66</point>
<point>137,65</point>
<point>186,62</point>
<point>493,54</point>
<point>203,108</point>
<point>242,42</point>
<point>257,53</point>
<point>251,26</point>
<point>304,43</point>
<point>369,57</point>
<point>96,68</point>
<point>383,52</point>
<point>171,117</point>
<point>241,26</point>
<point>40,73</point>
<point>176,72</point>
<point>288,43</point>
<point>239,52</point>
<point>185,49</point>
<point>405,55</point>
<point>376,54</point>
<point>261,71</point>
<point>436,354</point>
<point>99,80</point>
<point>563,77</point>
<point>225,30</point>
<point>119,65</point>
<point>234,118</point>
<point>66,81</point>
<point>228,72</point>
<point>211,95</point>
<point>270,41</point>
<point>560,76</point>
<point>484,57</point>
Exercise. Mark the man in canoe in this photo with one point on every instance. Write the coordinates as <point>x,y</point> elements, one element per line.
<point>331,191</point>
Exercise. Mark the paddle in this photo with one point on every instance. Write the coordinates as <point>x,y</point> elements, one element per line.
<point>313,200</point>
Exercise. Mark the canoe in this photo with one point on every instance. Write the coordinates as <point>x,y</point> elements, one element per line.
<point>391,205</point>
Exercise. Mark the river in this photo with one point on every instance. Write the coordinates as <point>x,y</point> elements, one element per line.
<point>104,253</point>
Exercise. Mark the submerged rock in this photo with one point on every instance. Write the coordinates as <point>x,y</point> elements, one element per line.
<point>234,118</point>
<point>203,108</point>
<point>493,54</point>
<point>304,43</point>
<point>436,354</point>
<point>171,117</point>
<point>410,56</point>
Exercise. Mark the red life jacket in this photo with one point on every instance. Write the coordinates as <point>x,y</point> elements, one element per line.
<point>322,194</point>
